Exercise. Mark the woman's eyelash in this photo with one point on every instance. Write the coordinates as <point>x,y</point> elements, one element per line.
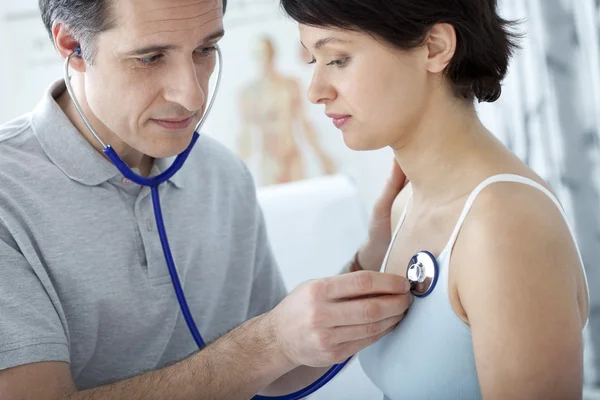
<point>340,63</point>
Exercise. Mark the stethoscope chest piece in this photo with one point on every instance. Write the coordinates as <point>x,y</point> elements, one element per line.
<point>422,273</point>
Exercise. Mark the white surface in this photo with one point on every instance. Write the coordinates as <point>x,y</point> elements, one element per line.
<point>315,227</point>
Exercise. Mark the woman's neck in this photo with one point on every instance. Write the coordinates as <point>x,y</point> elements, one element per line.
<point>443,151</point>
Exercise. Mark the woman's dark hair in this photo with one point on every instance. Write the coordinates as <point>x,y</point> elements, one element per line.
<point>484,46</point>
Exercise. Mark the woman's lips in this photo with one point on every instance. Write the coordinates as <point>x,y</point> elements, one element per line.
<point>339,120</point>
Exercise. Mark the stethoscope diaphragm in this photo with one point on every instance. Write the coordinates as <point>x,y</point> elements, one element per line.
<point>422,273</point>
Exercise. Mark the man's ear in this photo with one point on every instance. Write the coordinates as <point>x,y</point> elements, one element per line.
<point>441,44</point>
<point>66,44</point>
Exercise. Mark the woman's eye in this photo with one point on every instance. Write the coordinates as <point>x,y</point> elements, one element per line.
<point>339,63</point>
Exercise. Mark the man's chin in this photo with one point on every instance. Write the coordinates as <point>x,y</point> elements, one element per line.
<point>167,147</point>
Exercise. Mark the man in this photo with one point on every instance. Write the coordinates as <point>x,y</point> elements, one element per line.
<point>88,311</point>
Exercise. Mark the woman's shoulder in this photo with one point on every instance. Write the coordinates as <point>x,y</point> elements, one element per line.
<point>517,231</point>
<point>521,284</point>
<point>515,209</point>
<point>515,199</point>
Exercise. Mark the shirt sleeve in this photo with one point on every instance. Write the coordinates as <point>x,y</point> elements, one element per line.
<point>268,287</point>
<point>30,328</point>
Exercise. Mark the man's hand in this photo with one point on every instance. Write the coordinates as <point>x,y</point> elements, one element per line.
<point>371,255</point>
<point>325,321</point>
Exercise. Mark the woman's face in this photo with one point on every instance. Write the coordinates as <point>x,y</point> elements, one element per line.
<point>375,93</point>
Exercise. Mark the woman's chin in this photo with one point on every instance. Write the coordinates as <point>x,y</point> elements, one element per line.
<point>358,143</point>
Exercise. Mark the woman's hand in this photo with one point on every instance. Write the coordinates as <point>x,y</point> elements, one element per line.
<point>372,253</point>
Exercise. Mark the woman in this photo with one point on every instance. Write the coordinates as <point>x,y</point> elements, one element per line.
<point>505,320</point>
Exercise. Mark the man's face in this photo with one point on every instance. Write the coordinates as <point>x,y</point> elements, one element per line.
<point>150,78</point>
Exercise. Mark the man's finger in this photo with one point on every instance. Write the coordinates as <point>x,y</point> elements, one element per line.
<point>358,345</point>
<point>368,310</point>
<point>364,283</point>
<point>344,334</point>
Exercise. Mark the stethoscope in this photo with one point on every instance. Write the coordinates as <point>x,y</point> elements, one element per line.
<point>154,183</point>
<point>422,273</point>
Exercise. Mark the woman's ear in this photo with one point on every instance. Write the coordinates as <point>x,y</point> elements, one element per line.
<point>441,44</point>
<point>66,45</point>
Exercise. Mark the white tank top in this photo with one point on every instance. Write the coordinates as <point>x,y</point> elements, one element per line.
<point>430,354</point>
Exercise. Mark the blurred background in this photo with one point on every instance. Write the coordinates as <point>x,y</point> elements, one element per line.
<point>317,195</point>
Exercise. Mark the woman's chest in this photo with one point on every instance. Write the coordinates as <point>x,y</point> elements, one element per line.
<point>432,234</point>
<point>419,231</point>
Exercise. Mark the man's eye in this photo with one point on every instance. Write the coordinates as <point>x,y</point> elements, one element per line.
<point>205,51</point>
<point>150,59</point>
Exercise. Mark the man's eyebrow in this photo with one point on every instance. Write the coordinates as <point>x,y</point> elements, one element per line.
<point>214,36</point>
<point>151,49</point>
<point>158,48</point>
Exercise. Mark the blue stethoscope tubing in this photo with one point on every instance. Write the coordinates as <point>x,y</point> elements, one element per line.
<point>154,183</point>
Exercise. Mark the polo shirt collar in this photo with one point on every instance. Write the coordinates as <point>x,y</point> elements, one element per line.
<point>68,149</point>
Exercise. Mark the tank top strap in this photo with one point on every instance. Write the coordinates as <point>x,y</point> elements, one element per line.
<point>514,179</point>
<point>487,182</point>
<point>395,234</point>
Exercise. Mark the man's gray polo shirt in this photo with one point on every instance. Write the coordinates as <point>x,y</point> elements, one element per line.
<point>82,273</point>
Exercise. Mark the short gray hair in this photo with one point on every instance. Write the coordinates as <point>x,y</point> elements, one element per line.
<point>86,19</point>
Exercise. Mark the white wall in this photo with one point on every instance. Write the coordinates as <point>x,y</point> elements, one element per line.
<point>28,63</point>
